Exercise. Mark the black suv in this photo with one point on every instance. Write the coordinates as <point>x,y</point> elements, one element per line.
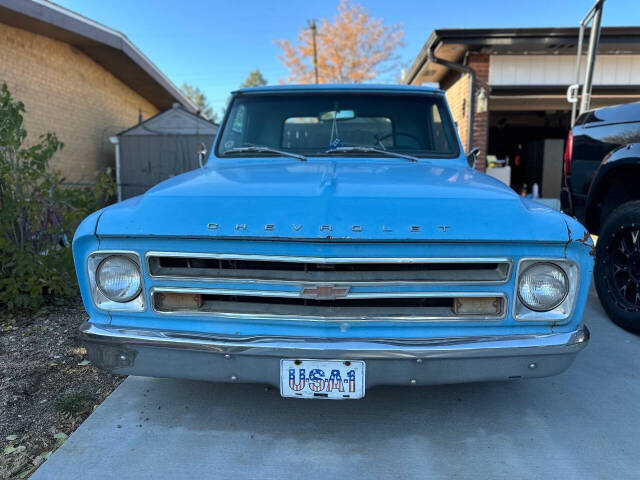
<point>602,189</point>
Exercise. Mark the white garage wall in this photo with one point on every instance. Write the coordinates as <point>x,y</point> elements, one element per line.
<point>559,70</point>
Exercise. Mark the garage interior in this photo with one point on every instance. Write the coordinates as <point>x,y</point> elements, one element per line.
<point>515,80</point>
<point>527,133</point>
<point>530,145</point>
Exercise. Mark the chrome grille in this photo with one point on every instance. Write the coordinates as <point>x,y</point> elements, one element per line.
<point>328,289</point>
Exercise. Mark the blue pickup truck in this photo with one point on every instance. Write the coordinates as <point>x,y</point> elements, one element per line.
<point>336,239</point>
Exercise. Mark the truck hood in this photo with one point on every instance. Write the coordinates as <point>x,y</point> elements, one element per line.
<point>341,199</point>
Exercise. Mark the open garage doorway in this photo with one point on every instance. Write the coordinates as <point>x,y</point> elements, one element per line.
<point>532,144</point>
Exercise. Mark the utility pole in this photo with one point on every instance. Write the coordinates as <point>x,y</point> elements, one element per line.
<point>314,34</point>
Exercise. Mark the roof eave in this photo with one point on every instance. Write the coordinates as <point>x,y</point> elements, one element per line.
<point>107,47</point>
<point>519,39</point>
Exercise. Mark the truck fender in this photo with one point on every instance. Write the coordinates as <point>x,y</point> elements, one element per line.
<point>624,157</point>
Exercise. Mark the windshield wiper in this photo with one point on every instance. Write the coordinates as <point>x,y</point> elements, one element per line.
<point>264,149</point>
<point>371,150</point>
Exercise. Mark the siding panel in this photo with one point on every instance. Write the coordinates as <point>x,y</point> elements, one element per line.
<point>559,70</point>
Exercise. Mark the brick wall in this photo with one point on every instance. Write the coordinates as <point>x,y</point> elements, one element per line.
<point>479,62</point>
<point>67,93</point>
<point>458,99</point>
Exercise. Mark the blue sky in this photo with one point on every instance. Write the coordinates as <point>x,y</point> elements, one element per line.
<point>215,44</point>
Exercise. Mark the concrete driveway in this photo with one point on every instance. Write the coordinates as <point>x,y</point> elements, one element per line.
<point>582,424</point>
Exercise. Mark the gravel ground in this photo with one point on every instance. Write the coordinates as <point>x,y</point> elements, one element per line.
<point>47,387</point>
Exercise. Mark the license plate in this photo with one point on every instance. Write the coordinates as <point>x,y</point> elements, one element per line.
<point>334,379</point>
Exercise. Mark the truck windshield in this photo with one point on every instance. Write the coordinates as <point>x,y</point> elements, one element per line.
<point>309,124</point>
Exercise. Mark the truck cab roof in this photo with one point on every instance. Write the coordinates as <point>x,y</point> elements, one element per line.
<point>629,112</point>
<point>338,87</point>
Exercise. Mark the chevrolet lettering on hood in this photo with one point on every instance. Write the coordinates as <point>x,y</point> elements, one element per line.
<point>336,239</point>
<point>270,227</point>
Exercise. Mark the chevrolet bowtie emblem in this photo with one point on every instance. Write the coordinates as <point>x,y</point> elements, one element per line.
<point>324,292</point>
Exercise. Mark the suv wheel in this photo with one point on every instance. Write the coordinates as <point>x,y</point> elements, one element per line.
<point>617,267</point>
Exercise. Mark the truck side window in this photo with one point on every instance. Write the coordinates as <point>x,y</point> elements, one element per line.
<point>234,136</point>
<point>238,121</point>
<point>440,139</point>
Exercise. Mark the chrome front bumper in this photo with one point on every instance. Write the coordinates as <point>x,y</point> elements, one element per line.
<point>389,361</point>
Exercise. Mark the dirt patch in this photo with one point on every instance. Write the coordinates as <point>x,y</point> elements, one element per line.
<point>47,386</point>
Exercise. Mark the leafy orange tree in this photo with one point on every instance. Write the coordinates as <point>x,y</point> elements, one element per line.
<point>352,48</point>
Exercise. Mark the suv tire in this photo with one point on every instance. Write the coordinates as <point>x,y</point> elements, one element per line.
<point>617,266</point>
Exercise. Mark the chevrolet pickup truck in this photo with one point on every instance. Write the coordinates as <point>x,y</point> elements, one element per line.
<point>336,239</point>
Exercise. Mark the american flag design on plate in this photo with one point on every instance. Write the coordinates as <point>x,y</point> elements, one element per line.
<point>332,379</point>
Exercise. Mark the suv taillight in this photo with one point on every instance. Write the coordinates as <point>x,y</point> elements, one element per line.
<point>568,153</point>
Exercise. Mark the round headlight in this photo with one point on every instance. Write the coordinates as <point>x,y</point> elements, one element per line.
<point>118,278</point>
<point>543,286</point>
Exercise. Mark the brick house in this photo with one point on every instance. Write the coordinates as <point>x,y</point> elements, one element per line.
<point>507,87</point>
<point>79,79</point>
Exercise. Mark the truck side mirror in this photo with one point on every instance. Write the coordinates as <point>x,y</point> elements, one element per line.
<point>472,157</point>
<point>202,153</point>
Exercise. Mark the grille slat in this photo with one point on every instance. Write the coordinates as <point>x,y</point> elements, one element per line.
<point>330,270</point>
<point>407,308</point>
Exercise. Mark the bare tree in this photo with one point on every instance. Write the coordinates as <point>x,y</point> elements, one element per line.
<point>352,48</point>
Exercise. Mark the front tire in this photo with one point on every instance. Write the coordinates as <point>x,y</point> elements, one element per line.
<point>617,266</point>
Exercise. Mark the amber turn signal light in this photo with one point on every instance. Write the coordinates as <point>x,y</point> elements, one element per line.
<point>477,305</point>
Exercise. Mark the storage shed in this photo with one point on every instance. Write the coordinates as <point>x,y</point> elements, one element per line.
<point>159,148</point>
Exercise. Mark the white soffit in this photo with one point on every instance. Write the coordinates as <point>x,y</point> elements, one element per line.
<point>559,70</point>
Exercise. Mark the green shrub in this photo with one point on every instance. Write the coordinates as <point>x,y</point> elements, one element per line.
<point>38,215</point>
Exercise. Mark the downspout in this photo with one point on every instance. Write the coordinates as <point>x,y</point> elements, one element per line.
<point>116,141</point>
<point>458,67</point>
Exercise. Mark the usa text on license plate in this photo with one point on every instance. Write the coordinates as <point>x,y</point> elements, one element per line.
<point>336,379</point>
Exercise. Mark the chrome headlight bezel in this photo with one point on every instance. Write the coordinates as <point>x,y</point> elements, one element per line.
<point>100,300</point>
<point>564,309</point>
